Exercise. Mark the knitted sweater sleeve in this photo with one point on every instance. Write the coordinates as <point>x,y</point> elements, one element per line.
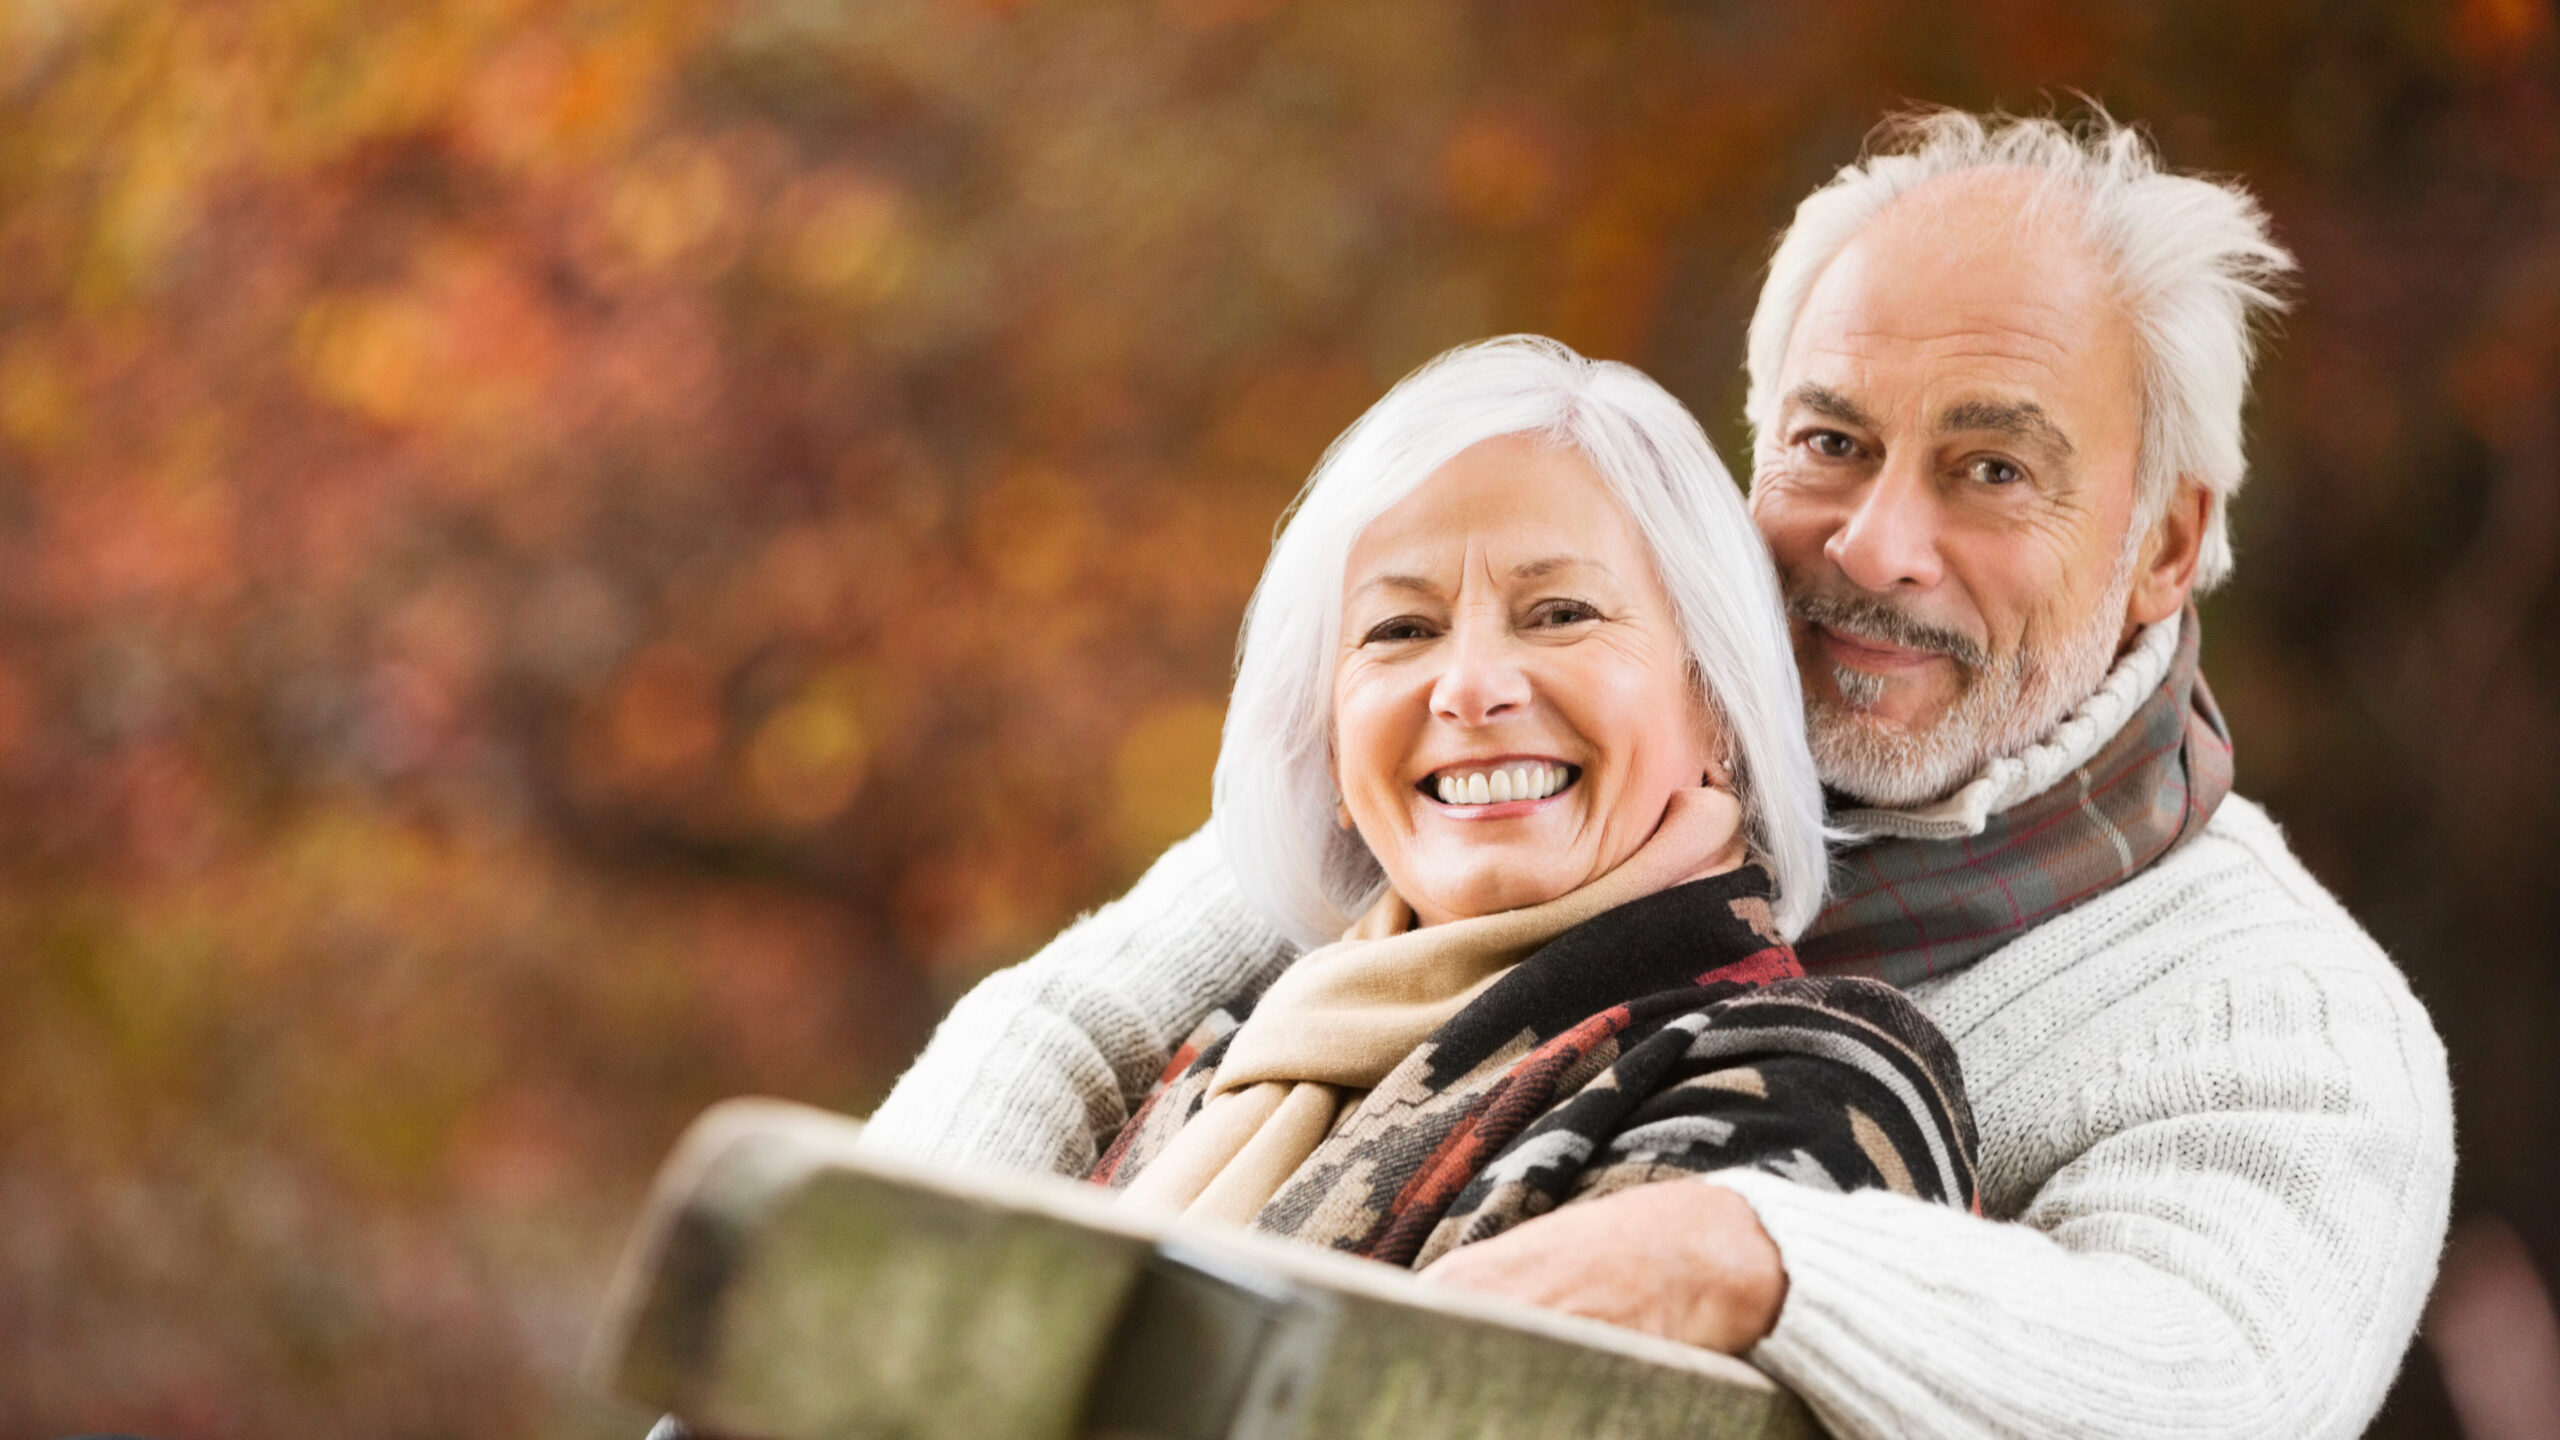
<point>1039,1062</point>
<point>2230,1160</point>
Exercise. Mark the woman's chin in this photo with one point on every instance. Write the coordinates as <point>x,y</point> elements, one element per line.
<point>1487,890</point>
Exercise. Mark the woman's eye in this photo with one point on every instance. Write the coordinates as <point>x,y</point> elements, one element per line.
<point>1991,470</point>
<point>1403,627</point>
<point>1565,612</point>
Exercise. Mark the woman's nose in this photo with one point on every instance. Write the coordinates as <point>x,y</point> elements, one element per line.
<point>1483,680</point>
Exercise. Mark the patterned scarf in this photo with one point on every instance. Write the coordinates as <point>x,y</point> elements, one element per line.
<point>1672,1035</point>
<point>1905,908</point>
<point>1338,1021</point>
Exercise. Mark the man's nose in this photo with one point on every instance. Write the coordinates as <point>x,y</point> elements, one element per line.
<point>1890,540</point>
<point>1483,680</point>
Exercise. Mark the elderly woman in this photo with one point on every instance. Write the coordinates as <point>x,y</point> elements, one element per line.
<point>1516,705</point>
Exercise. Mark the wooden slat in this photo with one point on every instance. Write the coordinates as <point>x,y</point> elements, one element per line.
<point>788,1286</point>
<point>784,1285</point>
<point>1402,1358</point>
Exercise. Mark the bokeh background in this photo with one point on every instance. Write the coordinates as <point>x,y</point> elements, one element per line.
<point>559,561</point>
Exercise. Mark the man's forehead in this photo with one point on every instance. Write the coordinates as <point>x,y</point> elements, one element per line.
<point>1874,304</point>
<point>1956,306</point>
<point>1974,364</point>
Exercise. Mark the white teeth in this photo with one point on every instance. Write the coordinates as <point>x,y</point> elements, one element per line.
<point>1535,780</point>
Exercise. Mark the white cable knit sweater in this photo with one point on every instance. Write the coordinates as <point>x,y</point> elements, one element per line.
<point>2217,1150</point>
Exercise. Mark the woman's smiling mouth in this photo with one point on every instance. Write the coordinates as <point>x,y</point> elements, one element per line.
<point>1476,783</point>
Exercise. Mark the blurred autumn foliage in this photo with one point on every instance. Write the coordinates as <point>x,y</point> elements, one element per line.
<point>560,559</point>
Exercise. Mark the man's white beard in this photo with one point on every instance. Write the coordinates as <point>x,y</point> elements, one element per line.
<point>2006,705</point>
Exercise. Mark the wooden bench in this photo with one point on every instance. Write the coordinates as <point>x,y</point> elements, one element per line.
<point>784,1285</point>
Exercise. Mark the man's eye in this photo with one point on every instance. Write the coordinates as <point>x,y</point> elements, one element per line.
<point>1403,627</point>
<point>1831,444</point>
<point>1991,470</point>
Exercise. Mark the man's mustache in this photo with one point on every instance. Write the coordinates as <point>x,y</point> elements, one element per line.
<point>1863,618</point>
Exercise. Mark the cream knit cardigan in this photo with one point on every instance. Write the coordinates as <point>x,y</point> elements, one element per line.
<point>2217,1149</point>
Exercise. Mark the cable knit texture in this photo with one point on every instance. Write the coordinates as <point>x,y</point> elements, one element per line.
<point>2216,1121</point>
<point>2223,1125</point>
<point>1038,1061</point>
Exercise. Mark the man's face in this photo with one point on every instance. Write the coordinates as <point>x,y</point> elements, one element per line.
<point>1948,484</point>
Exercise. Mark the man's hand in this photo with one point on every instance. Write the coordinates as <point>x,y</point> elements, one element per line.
<point>1682,1259</point>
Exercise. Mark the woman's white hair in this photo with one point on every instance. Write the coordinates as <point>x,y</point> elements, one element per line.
<point>1275,792</point>
<point>2191,258</point>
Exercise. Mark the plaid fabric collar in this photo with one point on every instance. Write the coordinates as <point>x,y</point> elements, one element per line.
<point>1905,908</point>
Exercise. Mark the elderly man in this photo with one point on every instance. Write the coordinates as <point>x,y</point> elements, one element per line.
<point>1996,379</point>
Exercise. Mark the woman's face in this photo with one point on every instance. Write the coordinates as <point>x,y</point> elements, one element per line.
<point>1512,710</point>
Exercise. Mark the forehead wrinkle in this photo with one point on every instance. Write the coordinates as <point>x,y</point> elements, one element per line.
<point>2009,344</point>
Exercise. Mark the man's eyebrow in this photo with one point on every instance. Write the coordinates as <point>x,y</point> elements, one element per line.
<point>2017,419</point>
<point>1830,404</point>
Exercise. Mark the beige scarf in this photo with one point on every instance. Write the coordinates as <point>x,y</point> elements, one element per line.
<point>1334,1023</point>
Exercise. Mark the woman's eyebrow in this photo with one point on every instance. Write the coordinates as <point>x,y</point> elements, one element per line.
<point>1412,583</point>
<point>1537,569</point>
<point>1540,569</point>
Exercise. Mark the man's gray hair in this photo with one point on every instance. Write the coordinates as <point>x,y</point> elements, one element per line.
<point>1275,799</point>
<point>2191,258</point>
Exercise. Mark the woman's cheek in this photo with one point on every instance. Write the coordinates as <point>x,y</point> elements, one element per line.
<point>1370,743</point>
<point>1600,703</point>
<point>1634,710</point>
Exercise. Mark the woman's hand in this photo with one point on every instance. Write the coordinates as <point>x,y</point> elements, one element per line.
<point>1682,1259</point>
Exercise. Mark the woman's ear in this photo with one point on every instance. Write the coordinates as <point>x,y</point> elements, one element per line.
<point>1341,813</point>
<point>1712,736</point>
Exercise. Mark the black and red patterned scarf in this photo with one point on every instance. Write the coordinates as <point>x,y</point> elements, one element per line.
<point>1904,909</point>
<point>1673,1035</point>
